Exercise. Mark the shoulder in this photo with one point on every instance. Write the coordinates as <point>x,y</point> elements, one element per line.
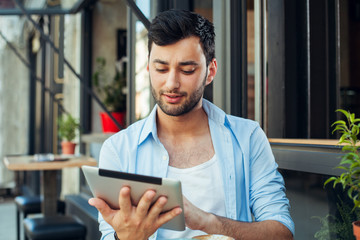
<point>248,133</point>
<point>240,127</point>
<point>243,127</point>
<point>117,150</point>
<point>129,135</point>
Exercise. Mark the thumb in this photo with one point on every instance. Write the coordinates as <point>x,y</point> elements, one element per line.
<point>106,212</point>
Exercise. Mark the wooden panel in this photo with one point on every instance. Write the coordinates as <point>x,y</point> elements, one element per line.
<point>331,142</point>
<point>27,163</point>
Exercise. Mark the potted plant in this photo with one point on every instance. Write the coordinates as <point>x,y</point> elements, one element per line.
<point>350,162</point>
<point>112,94</point>
<point>67,132</point>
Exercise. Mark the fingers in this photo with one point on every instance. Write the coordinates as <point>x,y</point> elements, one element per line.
<point>160,218</point>
<point>165,217</point>
<point>146,212</point>
<point>158,206</point>
<point>145,202</point>
<point>103,208</point>
<point>125,200</point>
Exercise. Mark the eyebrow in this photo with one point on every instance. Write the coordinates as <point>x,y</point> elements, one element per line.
<point>185,63</point>
<point>160,61</point>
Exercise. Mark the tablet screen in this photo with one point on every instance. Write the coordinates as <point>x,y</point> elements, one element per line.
<point>106,184</point>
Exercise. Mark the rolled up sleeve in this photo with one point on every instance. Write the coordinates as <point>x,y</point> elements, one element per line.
<point>267,191</point>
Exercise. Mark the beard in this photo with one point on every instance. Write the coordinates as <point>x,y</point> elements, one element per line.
<point>174,110</point>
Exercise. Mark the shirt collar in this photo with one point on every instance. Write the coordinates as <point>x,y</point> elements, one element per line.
<point>214,113</point>
<point>149,129</point>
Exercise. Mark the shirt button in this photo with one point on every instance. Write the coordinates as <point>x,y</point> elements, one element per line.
<point>164,157</point>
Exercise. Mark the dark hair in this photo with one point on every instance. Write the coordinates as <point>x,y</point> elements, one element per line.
<point>173,25</point>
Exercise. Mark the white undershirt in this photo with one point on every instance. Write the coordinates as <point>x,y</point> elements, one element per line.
<point>202,185</point>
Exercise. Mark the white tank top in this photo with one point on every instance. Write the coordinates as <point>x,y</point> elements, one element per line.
<point>202,185</point>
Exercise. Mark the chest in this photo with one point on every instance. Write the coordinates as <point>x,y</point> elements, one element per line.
<point>189,153</point>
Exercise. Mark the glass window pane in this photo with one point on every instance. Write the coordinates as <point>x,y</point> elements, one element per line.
<point>349,57</point>
<point>142,84</point>
<point>318,212</point>
<point>250,60</point>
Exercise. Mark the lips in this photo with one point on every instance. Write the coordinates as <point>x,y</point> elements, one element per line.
<point>172,98</point>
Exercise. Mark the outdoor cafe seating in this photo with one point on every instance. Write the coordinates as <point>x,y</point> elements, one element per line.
<point>26,205</point>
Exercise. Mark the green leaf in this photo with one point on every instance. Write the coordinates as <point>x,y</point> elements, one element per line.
<point>339,122</point>
<point>346,161</point>
<point>347,148</point>
<point>346,113</point>
<point>343,168</point>
<point>343,138</point>
<point>330,180</point>
<point>350,161</point>
<point>352,117</point>
<point>350,191</point>
<point>352,155</point>
<point>67,127</point>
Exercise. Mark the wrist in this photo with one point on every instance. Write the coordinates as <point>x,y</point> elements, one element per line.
<point>116,237</point>
<point>211,224</point>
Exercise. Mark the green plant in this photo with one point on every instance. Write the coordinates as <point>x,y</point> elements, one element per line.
<point>67,127</point>
<point>112,94</point>
<point>350,162</point>
<point>340,227</point>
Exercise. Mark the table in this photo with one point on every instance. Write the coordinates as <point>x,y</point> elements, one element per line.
<point>48,170</point>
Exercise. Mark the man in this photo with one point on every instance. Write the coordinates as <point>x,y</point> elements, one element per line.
<point>225,163</point>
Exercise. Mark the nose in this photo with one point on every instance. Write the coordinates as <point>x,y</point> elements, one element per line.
<point>172,81</point>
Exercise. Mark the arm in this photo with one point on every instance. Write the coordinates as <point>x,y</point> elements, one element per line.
<point>266,198</point>
<point>135,222</point>
<point>269,229</point>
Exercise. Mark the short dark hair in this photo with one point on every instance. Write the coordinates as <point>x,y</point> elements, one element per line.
<point>174,25</point>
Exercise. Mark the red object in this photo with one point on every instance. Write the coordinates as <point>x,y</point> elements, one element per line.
<point>356,229</point>
<point>68,147</point>
<point>108,124</point>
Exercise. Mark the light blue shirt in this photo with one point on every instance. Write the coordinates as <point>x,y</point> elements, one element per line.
<point>252,184</point>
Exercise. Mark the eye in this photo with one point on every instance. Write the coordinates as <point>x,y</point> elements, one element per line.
<point>161,70</point>
<point>188,72</point>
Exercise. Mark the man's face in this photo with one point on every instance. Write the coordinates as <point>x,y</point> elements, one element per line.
<point>178,75</point>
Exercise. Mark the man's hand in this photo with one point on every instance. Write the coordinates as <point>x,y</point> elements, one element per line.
<point>197,219</point>
<point>135,222</point>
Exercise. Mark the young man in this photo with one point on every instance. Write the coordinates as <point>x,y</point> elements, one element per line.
<point>225,163</point>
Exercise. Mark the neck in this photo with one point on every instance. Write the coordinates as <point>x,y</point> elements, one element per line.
<point>188,124</point>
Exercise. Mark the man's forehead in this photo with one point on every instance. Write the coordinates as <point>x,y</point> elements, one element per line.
<point>180,63</point>
<point>186,50</point>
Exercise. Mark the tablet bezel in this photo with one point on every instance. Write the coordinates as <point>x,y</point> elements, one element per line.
<point>106,184</point>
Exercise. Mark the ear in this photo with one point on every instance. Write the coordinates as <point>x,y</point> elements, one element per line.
<point>147,67</point>
<point>212,69</point>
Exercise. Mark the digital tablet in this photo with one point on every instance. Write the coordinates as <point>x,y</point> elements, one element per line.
<point>106,184</point>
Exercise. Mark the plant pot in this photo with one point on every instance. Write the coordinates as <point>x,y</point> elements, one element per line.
<point>108,124</point>
<point>356,229</point>
<point>68,147</point>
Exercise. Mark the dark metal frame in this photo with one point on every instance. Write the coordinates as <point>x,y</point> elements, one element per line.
<point>55,49</point>
<point>238,58</point>
<point>138,13</point>
<point>303,68</point>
